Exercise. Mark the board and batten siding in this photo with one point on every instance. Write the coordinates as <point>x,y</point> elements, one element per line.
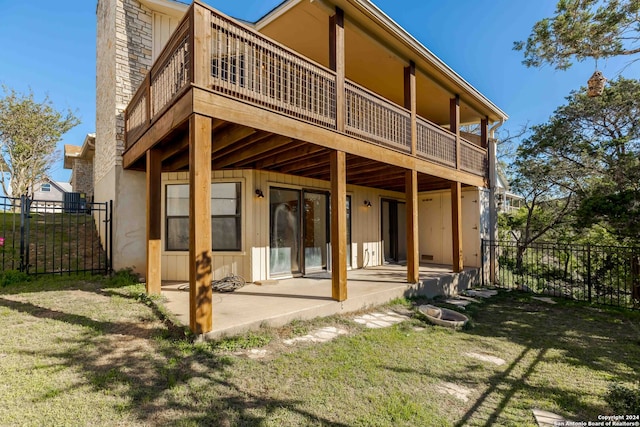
<point>175,264</point>
<point>252,262</point>
<point>163,28</point>
<point>434,219</point>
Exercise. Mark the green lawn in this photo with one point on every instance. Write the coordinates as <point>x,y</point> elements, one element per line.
<point>97,352</point>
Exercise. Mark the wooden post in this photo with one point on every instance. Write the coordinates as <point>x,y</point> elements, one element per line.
<point>338,225</point>
<point>410,102</point>
<point>454,124</point>
<point>200,35</point>
<point>413,260</point>
<point>484,133</point>
<point>456,223</point>
<point>200,259</point>
<point>154,221</point>
<point>336,63</point>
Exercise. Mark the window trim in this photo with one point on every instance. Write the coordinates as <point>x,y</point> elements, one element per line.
<point>240,217</point>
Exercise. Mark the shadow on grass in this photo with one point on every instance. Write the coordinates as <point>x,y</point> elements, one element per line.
<point>550,341</point>
<point>162,377</point>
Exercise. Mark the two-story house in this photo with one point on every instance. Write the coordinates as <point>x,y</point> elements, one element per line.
<point>322,137</point>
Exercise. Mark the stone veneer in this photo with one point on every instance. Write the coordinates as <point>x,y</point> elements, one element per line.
<point>124,55</point>
<point>82,177</point>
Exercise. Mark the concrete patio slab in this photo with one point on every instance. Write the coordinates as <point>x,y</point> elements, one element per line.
<point>309,297</point>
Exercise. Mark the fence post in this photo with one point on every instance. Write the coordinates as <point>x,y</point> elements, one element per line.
<point>110,240</point>
<point>589,271</point>
<point>22,205</point>
<point>483,260</point>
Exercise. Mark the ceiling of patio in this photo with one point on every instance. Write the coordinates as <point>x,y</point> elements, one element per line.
<point>240,147</point>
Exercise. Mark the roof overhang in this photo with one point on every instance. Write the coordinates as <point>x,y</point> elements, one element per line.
<point>84,152</point>
<point>168,7</point>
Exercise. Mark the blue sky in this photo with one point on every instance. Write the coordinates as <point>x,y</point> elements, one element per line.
<point>49,47</point>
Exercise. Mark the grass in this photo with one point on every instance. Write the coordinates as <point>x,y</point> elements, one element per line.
<point>57,242</point>
<point>100,352</point>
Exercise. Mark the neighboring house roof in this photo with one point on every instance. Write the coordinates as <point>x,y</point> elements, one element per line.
<point>85,152</point>
<point>63,187</point>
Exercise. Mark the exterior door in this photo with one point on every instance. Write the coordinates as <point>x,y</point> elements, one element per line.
<point>394,230</point>
<point>285,235</point>
<point>316,231</point>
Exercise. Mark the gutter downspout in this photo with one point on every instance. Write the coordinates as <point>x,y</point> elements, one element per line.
<point>493,211</point>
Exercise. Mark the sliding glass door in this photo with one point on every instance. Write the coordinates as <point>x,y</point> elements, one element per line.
<point>285,232</point>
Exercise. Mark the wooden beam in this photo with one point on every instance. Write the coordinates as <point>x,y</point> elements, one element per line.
<point>173,117</point>
<point>174,147</point>
<point>291,146</point>
<point>410,102</point>
<point>456,226</point>
<point>154,222</point>
<point>484,132</point>
<point>338,226</point>
<point>177,162</point>
<point>312,162</point>
<point>230,135</point>
<point>413,255</point>
<point>251,151</point>
<point>290,157</point>
<point>454,124</point>
<point>337,63</point>
<point>200,258</point>
<point>214,105</point>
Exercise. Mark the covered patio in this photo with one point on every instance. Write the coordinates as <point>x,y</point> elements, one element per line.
<point>277,303</point>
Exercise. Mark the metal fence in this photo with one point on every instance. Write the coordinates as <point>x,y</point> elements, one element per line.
<point>607,275</point>
<point>55,237</point>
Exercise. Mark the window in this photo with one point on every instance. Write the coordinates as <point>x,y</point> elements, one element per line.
<point>46,187</point>
<point>226,219</point>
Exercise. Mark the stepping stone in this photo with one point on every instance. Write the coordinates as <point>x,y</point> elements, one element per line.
<point>548,419</point>
<point>486,358</point>
<point>459,392</point>
<point>482,293</point>
<point>462,303</point>
<point>545,299</point>
<point>380,320</point>
<point>319,335</point>
<point>257,353</point>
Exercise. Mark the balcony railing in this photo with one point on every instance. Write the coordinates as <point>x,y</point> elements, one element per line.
<point>238,62</point>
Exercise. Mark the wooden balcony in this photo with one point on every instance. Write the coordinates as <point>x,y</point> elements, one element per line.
<point>221,57</point>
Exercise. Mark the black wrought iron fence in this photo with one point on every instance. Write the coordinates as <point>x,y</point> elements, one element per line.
<point>48,237</point>
<point>607,275</point>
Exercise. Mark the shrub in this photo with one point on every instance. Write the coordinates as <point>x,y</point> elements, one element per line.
<point>623,399</point>
<point>13,277</point>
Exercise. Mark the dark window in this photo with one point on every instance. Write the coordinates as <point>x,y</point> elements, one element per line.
<point>226,219</point>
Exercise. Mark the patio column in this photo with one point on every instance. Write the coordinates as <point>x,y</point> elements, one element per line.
<point>410,102</point>
<point>338,225</point>
<point>154,221</point>
<point>413,256</point>
<point>336,63</point>
<point>456,222</point>
<point>200,258</point>
<point>454,124</point>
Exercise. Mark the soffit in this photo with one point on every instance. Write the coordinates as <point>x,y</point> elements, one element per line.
<point>377,50</point>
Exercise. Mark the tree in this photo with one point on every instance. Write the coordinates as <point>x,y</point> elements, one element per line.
<point>588,152</point>
<point>29,132</point>
<point>584,29</point>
